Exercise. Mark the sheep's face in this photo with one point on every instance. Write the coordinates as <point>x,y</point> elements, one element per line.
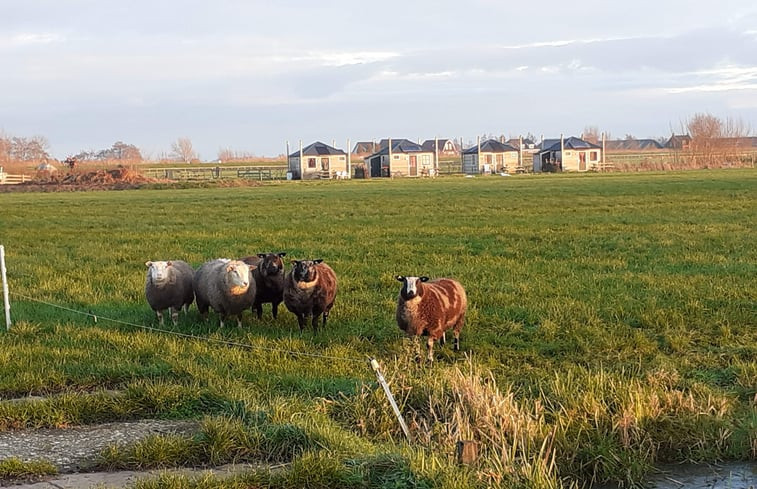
<point>238,274</point>
<point>304,270</point>
<point>157,271</point>
<point>271,264</point>
<point>411,286</point>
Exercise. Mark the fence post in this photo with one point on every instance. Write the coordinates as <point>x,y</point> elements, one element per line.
<point>382,381</point>
<point>6,304</point>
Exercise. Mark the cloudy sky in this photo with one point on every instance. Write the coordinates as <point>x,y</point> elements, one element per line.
<point>250,75</point>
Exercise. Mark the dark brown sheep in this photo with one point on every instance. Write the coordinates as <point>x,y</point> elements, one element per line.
<point>269,281</point>
<point>310,289</point>
<point>431,308</point>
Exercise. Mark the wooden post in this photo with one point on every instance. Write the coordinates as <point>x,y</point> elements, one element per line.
<point>389,168</point>
<point>520,153</point>
<point>385,386</point>
<point>604,163</point>
<point>562,151</point>
<point>349,159</point>
<point>6,303</point>
<point>302,176</point>
<point>436,155</point>
<point>467,452</point>
<point>478,155</point>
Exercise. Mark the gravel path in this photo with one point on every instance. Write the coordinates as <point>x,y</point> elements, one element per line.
<point>71,449</point>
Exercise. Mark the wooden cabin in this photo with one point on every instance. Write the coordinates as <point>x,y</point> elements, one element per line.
<point>566,154</point>
<point>490,156</point>
<point>401,158</point>
<point>318,160</point>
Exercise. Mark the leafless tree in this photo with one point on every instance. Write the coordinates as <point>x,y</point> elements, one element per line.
<point>715,140</point>
<point>29,149</point>
<point>591,134</point>
<point>182,150</point>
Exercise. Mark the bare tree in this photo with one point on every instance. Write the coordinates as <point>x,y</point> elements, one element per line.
<point>714,140</point>
<point>591,134</point>
<point>182,150</point>
<point>29,149</point>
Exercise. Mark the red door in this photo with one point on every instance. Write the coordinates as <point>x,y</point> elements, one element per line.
<point>413,166</point>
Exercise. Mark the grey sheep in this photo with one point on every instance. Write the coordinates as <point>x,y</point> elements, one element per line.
<point>225,285</point>
<point>310,289</point>
<point>269,281</point>
<point>169,286</point>
<point>430,308</point>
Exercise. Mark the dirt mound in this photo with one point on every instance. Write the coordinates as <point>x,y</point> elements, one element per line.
<point>116,179</point>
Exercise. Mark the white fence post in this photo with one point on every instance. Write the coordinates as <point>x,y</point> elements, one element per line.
<point>382,381</point>
<point>5,289</point>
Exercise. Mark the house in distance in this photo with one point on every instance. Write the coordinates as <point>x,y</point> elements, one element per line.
<point>318,160</point>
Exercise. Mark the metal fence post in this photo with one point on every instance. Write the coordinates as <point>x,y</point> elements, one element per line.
<point>382,381</point>
<point>6,304</point>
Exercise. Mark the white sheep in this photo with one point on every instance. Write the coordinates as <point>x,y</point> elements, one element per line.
<point>169,286</point>
<point>225,285</point>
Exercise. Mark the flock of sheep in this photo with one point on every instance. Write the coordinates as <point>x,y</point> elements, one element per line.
<point>424,307</point>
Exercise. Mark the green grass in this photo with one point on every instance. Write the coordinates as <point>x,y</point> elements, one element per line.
<point>612,314</point>
<point>13,469</point>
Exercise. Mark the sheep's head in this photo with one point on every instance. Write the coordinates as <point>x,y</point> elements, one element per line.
<point>238,274</point>
<point>157,271</point>
<point>271,264</point>
<point>304,270</point>
<point>411,286</point>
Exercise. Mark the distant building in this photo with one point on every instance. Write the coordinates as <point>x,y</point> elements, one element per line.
<point>446,147</point>
<point>681,141</point>
<point>566,154</point>
<point>317,160</point>
<point>365,148</point>
<point>489,157</point>
<point>632,145</point>
<point>405,158</point>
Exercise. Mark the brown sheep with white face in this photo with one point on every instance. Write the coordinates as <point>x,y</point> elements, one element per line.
<point>310,289</point>
<point>431,308</point>
<point>269,281</point>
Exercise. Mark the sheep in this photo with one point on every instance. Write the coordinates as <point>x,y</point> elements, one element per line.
<point>169,286</point>
<point>310,289</point>
<point>431,308</point>
<point>225,285</point>
<point>269,281</point>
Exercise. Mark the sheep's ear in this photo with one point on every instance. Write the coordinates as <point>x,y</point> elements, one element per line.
<point>169,263</point>
<point>424,279</point>
<point>148,264</point>
<point>229,267</point>
<point>400,278</point>
<point>319,260</point>
<point>261,255</point>
<point>282,254</point>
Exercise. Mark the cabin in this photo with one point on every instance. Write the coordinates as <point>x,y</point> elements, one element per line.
<point>401,158</point>
<point>364,148</point>
<point>566,154</point>
<point>318,160</point>
<point>490,156</point>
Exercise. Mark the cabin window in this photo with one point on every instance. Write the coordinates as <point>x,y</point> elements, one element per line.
<point>593,156</point>
<point>425,160</point>
<point>396,157</point>
<point>488,159</point>
<point>341,158</point>
<point>499,160</point>
<point>324,163</point>
<point>311,162</point>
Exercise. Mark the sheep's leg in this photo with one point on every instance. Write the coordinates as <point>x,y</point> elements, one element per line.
<point>315,323</point>
<point>160,317</point>
<point>275,309</point>
<point>417,349</point>
<point>325,317</point>
<point>443,339</point>
<point>430,345</point>
<point>301,322</point>
<point>239,320</point>
<point>458,327</point>
<point>175,315</point>
<point>258,309</point>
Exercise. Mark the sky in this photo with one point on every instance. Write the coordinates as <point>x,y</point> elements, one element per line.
<point>251,75</point>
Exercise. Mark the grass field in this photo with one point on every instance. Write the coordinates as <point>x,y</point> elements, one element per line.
<point>612,326</point>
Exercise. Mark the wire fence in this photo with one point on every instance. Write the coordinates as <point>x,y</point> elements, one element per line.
<point>249,346</point>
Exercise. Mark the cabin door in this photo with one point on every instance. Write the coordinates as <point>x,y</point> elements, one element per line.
<point>581,161</point>
<point>413,168</point>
